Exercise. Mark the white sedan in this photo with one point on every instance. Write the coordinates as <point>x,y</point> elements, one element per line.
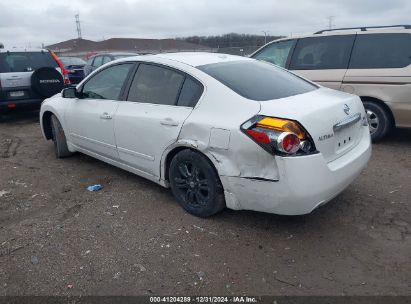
<point>220,130</point>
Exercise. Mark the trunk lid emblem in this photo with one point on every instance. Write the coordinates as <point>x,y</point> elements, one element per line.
<point>346,109</point>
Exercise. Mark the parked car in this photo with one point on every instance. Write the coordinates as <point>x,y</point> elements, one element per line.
<point>100,59</point>
<point>220,130</point>
<point>371,62</point>
<point>28,76</point>
<point>74,67</point>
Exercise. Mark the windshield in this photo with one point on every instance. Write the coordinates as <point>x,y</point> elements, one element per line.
<point>25,61</point>
<point>257,80</point>
<point>68,61</point>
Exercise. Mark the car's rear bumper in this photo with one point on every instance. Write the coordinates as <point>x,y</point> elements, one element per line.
<point>305,182</point>
<point>20,103</point>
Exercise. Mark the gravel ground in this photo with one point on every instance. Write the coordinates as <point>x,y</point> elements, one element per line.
<point>131,238</point>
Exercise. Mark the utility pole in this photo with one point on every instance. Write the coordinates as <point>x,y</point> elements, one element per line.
<point>265,37</point>
<point>77,16</point>
<point>330,22</point>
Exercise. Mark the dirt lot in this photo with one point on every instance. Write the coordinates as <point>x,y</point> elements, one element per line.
<point>132,238</point>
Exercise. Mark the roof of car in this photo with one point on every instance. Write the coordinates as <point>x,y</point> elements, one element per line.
<point>22,50</point>
<point>197,58</point>
<point>348,32</point>
<point>341,32</point>
<point>116,54</point>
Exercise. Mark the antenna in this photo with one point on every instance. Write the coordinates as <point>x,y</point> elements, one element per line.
<point>330,22</point>
<point>77,16</point>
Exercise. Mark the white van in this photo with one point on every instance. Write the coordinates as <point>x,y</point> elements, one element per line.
<point>371,62</point>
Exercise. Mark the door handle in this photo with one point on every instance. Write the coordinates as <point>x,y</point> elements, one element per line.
<point>105,115</point>
<point>169,122</point>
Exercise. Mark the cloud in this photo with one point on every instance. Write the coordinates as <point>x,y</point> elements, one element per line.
<point>45,21</point>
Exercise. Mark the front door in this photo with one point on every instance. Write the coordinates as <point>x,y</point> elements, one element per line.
<point>90,118</point>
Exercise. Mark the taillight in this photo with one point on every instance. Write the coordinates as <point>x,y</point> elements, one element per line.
<point>64,72</point>
<point>279,136</point>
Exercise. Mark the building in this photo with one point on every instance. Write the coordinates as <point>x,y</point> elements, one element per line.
<point>85,48</point>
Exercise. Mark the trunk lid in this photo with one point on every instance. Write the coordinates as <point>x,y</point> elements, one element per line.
<point>332,118</point>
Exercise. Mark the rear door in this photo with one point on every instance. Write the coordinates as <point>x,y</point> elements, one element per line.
<point>159,101</point>
<point>323,59</point>
<point>380,67</point>
<point>90,119</point>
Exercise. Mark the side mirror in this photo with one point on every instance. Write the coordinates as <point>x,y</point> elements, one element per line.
<point>70,92</point>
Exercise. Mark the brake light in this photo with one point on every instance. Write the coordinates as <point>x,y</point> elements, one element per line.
<point>64,72</point>
<point>260,137</point>
<point>288,142</point>
<point>279,136</point>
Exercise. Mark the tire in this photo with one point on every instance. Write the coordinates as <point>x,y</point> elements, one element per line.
<point>195,184</point>
<point>47,81</point>
<point>59,139</point>
<point>379,120</point>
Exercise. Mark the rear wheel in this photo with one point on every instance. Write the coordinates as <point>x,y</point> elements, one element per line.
<point>379,120</point>
<point>59,139</point>
<point>195,184</point>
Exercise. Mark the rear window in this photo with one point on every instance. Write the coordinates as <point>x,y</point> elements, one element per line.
<point>257,80</point>
<point>25,61</point>
<point>379,51</point>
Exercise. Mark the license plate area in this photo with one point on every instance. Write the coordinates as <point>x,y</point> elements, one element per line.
<point>346,138</point>
<point>346,133</point>
<point>15,94</point>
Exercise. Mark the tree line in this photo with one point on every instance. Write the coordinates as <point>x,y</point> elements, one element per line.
<point>230,40</point>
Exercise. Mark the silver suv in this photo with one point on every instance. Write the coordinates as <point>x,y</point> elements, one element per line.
<point>371,62</point>
<point>27,77</point>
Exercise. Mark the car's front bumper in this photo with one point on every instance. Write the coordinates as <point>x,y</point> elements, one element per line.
<point>305,182</point>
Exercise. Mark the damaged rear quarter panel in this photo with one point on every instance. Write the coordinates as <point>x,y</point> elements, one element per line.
<point>214,127</point>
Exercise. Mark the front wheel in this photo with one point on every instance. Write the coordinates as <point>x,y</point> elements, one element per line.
<point>379,120</point>
<point>59,139</point>
<point>195,184</point>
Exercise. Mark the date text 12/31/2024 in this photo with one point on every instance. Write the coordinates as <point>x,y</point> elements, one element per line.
<point>204,299</point>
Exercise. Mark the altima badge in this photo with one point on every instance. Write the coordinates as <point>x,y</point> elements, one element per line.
<point>326,136</point>
<point>346,109</point>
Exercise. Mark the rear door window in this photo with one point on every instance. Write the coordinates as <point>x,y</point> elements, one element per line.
<point>25,61</point>
<point>190,93</point>
<point>322,53</point>
<point>156,84</point>
<point>276,53</point>
<point>379,51</point>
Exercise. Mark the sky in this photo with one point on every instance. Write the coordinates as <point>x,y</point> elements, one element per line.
<point>31,23</point>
